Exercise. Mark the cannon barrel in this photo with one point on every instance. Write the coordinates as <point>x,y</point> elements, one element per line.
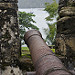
<point>44,60</point>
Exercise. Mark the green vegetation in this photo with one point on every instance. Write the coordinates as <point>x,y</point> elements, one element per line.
<point>52,10</point>
<point>25,51</point>
<point>53,50</point>
<point>25,21</point>
<point>24,48</point>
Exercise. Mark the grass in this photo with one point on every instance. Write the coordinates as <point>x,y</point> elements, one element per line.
<point>24,48</point>
<point>26,52</point>
<point>53,50</point>
<point>27,49</point>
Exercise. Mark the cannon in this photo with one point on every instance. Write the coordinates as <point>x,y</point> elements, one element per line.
<point>44,60</point>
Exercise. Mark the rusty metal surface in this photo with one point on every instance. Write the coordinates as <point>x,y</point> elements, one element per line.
<point>45,61</point>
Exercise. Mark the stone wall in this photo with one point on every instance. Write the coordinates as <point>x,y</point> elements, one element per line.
<point>10,62</point>
<point>65,39</point>
<point>10,42</point>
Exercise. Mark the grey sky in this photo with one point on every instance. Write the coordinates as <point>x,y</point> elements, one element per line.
<point>33,3</point>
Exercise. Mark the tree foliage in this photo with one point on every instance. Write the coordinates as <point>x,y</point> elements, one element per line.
<point>52,10</point>
<point>25,21</point>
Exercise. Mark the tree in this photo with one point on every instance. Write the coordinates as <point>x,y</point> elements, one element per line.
<point>25,21</point>
<point>52,10</point>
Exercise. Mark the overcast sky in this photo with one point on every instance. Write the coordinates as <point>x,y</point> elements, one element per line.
<point>33,3</point>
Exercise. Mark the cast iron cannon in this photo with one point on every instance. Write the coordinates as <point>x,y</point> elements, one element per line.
<point>44,60</point>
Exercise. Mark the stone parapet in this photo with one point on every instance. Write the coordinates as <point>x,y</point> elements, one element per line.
<point>66,25</point>
<point>10,42</point>
<point>67,11</point>
<point>65,38</point>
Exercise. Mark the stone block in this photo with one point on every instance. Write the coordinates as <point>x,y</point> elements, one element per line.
<point>66,25</point>
<point>67,11</point>
<point>62,3</point>
<point>66,3</point>
<point>65,45</point>
<point>12,6</point>
<point>10,41</point>
<point>65,38</point>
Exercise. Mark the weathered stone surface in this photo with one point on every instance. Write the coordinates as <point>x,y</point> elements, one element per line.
<point>9,1</point>
<point>65,45</point>
<point>66,3</point>
<point>10,43</point>
<point>67,11</point>
<point>65,39</point>
<point>12,71</point>
<point>6,6</point>
<point>66,25</point>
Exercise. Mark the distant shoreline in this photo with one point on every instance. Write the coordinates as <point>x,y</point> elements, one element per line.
<point>23,4</point>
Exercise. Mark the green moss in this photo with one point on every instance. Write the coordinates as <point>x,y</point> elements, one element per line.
<point>25,51</point>
<point>53,50</point>
<point>24,48</point>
